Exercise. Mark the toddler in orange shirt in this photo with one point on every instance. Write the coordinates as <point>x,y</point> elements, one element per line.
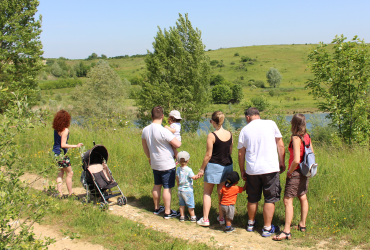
<point>229,193</point>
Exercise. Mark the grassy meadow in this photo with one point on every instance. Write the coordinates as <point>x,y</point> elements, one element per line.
<point>290,60</point>
<point>338,196</point>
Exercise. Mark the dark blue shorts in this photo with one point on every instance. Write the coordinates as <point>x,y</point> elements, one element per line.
<point>165,178</point>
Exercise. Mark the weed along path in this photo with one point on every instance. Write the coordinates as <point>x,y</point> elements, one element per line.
<point>213,236</point>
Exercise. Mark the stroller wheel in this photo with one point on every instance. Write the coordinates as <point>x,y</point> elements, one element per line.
<point>84,200</point>
<point>122,201</point>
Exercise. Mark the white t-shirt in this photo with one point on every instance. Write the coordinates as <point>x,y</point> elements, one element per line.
<point>158,140</point>
<point>177,127</point>
<point>258,138</point>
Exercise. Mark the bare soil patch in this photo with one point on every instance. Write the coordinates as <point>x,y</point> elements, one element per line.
<point>212,236</point>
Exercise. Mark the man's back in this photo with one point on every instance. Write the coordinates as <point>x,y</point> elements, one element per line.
<point>158,140</point>
<point>258,138</point>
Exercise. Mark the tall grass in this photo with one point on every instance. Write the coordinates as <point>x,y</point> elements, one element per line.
<point>338,196</point>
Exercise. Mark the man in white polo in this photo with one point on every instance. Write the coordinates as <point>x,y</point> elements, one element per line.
<point>157,144</point>
<point>261,146</point>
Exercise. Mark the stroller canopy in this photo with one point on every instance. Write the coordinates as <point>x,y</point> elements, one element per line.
<point>96,155</point>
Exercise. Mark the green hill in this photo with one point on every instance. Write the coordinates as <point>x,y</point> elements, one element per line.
<point>290,60</point>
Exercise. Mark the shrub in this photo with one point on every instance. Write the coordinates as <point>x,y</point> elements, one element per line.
<point>232,63</point>
<point>58,97</point>
<point>260,102</point>
<point>213,62</point>
<point>134,91</point>
<point>60,84</point>
<point>272,92</point>
<point>221,94</point>
<point>260,84</point>
<point>236,54</point>
<point>245,59</point>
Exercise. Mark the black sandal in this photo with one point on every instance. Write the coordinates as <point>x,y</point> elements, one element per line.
<point>287,236</point>
<point>302,229</point>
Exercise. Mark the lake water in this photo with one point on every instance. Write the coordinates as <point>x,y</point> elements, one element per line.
<point>240,122</point>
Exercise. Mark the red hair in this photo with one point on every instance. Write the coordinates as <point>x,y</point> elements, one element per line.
<point>62,120</point>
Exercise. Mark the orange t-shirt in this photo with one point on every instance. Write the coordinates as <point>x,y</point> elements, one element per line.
<point>229,195</point>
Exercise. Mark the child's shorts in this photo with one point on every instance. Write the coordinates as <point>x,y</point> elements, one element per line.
<point>186,198</point>
<point>228,211</point>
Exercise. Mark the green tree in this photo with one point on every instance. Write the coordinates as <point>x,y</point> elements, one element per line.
<point>237,93</point>
<point>341,84</point>
<point>103,56</point>
<point>18,206</point>
<point>274,77</point>
<point>20,50</point>
<point>101,94</point>
<point>217,80</point>
<point>92,56</point>
<point>56,70</point>
<point>221,94</point>
<point>178,74</point>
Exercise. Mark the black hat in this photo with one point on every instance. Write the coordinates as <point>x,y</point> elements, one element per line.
<point>231,178</point>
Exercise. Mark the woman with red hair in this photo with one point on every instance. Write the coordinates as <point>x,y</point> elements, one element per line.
<point>61,122</point>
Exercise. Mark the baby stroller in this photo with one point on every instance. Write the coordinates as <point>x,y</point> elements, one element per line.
<point>97,178</point>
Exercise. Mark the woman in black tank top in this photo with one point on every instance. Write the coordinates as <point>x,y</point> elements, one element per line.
<point>216,165</point>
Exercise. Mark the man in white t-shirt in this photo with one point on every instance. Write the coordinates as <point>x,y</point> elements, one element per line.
<point>261,146</point>
<point>157,144</point>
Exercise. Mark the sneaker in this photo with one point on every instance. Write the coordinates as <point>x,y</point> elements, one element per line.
<point>173,214</point>
<point>159,210</point>
<point>182,218</point>
<point>229,229</point>
<point>203,223</point>
<point>274,229</point>
<point>193,219</point>
<point>221,220</point>
<point>250,227</point>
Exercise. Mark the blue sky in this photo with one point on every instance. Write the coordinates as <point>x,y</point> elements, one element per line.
<point>75,29</point>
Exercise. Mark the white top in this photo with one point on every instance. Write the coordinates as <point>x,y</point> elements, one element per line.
<point>185,181</point>
<point>158,140</point>
<point>258,138</point>
<point>177,127</point>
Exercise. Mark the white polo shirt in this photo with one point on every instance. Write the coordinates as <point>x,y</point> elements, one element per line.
<point>258,138</point>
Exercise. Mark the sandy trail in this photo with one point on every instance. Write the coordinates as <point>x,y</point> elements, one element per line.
<point>213,236</point>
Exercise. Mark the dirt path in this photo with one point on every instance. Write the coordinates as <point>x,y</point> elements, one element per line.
<point>213,236</point>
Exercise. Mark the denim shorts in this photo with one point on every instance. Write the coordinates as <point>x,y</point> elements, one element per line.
<point>165,178</point>
<point>216,173</point>
<point>186,198</point>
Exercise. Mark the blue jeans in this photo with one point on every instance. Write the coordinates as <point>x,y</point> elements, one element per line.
<point>186,198</point>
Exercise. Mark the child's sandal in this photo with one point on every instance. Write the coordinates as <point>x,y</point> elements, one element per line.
<point>282,236</point>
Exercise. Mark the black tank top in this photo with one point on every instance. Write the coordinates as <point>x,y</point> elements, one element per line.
<point>221,151</point>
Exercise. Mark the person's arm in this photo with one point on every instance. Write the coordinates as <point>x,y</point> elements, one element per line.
<point>311,146</point>
<point>145,148</point>
<point>296,153</point>
<point>175,143</point>
<point>241,189</point>
<point>63,143</point>
<point>170,129</point>
<point>281,152</point>
<point>177,180</point>
<point>232,143</point>
<point>210,141</point>
<point>241,159</point>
